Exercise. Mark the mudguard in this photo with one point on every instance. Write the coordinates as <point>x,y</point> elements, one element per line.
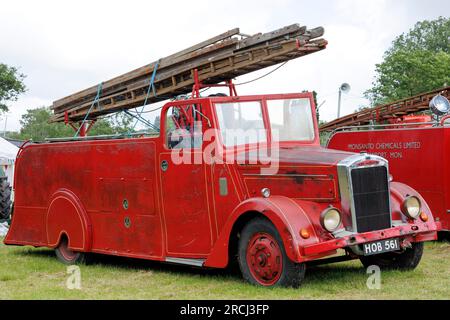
<point>288,216</point>
<point>66,215</point>
<point>399,191</point>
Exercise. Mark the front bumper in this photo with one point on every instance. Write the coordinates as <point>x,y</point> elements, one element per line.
<point>410,232</point>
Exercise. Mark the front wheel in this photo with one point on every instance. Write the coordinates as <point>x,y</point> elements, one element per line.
<point>68,256</point>
<point>262,257</point>
<point>406,260</point>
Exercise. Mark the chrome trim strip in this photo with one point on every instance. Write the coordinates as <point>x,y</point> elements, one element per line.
<point>286,175</point>
<point>398,223</point>
<point>345,187</point>
<point>341,233</point>
<point>103,137</point>
<point>389,125</point>
<point>185,261</point>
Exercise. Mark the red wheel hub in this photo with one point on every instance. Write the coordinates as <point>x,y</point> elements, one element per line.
<point>66,252</point>
<point>264,258</point>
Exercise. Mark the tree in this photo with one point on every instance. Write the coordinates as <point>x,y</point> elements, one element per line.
<point>11,85</point>
<point>157,122</point>
<point>35,126</point>
<point>315,103</point>
<point>121,122</point>
<point>416,62</point>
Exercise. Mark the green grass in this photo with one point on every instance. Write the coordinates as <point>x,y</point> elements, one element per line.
<point>29,273</point>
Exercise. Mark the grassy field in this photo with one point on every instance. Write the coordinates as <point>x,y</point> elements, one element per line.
<point>28,273</point>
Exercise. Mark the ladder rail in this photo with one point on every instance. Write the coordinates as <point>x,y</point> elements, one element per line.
<point>395,109</point>
<point>218,59</point>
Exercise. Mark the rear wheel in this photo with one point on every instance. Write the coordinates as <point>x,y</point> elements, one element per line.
<point>262,257</point>
<point>406,260</point>
<point>68,256</point>
<point>5,199</point>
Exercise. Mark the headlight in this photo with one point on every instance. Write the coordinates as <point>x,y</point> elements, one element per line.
<point>439,105</point>
<point>330,219</point>
<point>411,207</point>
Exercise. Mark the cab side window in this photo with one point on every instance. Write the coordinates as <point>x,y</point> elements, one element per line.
<point>183,127</point>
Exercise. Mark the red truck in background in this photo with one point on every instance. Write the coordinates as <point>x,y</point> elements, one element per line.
<point>126,196</point>
<point>416,146</point>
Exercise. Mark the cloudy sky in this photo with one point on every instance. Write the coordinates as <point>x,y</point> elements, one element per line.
<point>65,46</point>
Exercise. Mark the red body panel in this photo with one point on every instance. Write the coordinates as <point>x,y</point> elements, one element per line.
<point>126,196</point>
<point>89,182</point>
<point>418,157</point>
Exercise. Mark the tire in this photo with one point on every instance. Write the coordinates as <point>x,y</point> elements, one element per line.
<point>406,260</point>
<point>444,236</point>
<point>5,199</point>
<point>262,257</point>
<point>67,256</point>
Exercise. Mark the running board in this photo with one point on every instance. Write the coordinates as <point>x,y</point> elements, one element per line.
<point>189,262</point>
<point>330,260</point>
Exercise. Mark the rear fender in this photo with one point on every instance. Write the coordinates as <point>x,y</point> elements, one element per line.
<point>67,216</point>
<point>287,215</point>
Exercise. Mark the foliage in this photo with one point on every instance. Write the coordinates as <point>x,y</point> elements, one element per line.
<point>35,125</point>
<point>426,35</point>
<point>315,102</point>
<point>323,135</point>
<point>416,62</point>
<point>121,123</point>
<point>11,85</point>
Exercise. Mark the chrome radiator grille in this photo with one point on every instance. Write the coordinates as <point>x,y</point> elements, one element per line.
<point>370,188</point>
<point>364,192</point>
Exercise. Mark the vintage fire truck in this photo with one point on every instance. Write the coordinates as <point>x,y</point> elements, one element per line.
<point>127,197</point>
<point>416,146</point>
<point>224,178</point>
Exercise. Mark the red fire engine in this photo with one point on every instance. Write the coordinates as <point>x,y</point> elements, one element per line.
<point>226,178</point>
<point>126,196</point>
<point>416,146</point>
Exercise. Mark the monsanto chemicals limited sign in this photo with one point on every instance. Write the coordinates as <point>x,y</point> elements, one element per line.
<point>386,149</point>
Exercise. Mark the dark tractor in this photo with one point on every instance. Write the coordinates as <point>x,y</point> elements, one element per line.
<point>5,197</point>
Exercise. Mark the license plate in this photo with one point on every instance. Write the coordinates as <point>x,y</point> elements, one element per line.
<point>381,246</point>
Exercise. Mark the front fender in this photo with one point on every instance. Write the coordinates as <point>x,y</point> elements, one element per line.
<point>399,191</point>
<point>288,216</point>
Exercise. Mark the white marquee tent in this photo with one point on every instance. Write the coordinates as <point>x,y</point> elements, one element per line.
<point>8,153</point>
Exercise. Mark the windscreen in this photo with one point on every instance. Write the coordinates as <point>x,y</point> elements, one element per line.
<point>291,119</point>
<point>241,123</point>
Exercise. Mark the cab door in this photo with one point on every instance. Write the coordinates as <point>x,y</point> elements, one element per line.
<point>184,183</point>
